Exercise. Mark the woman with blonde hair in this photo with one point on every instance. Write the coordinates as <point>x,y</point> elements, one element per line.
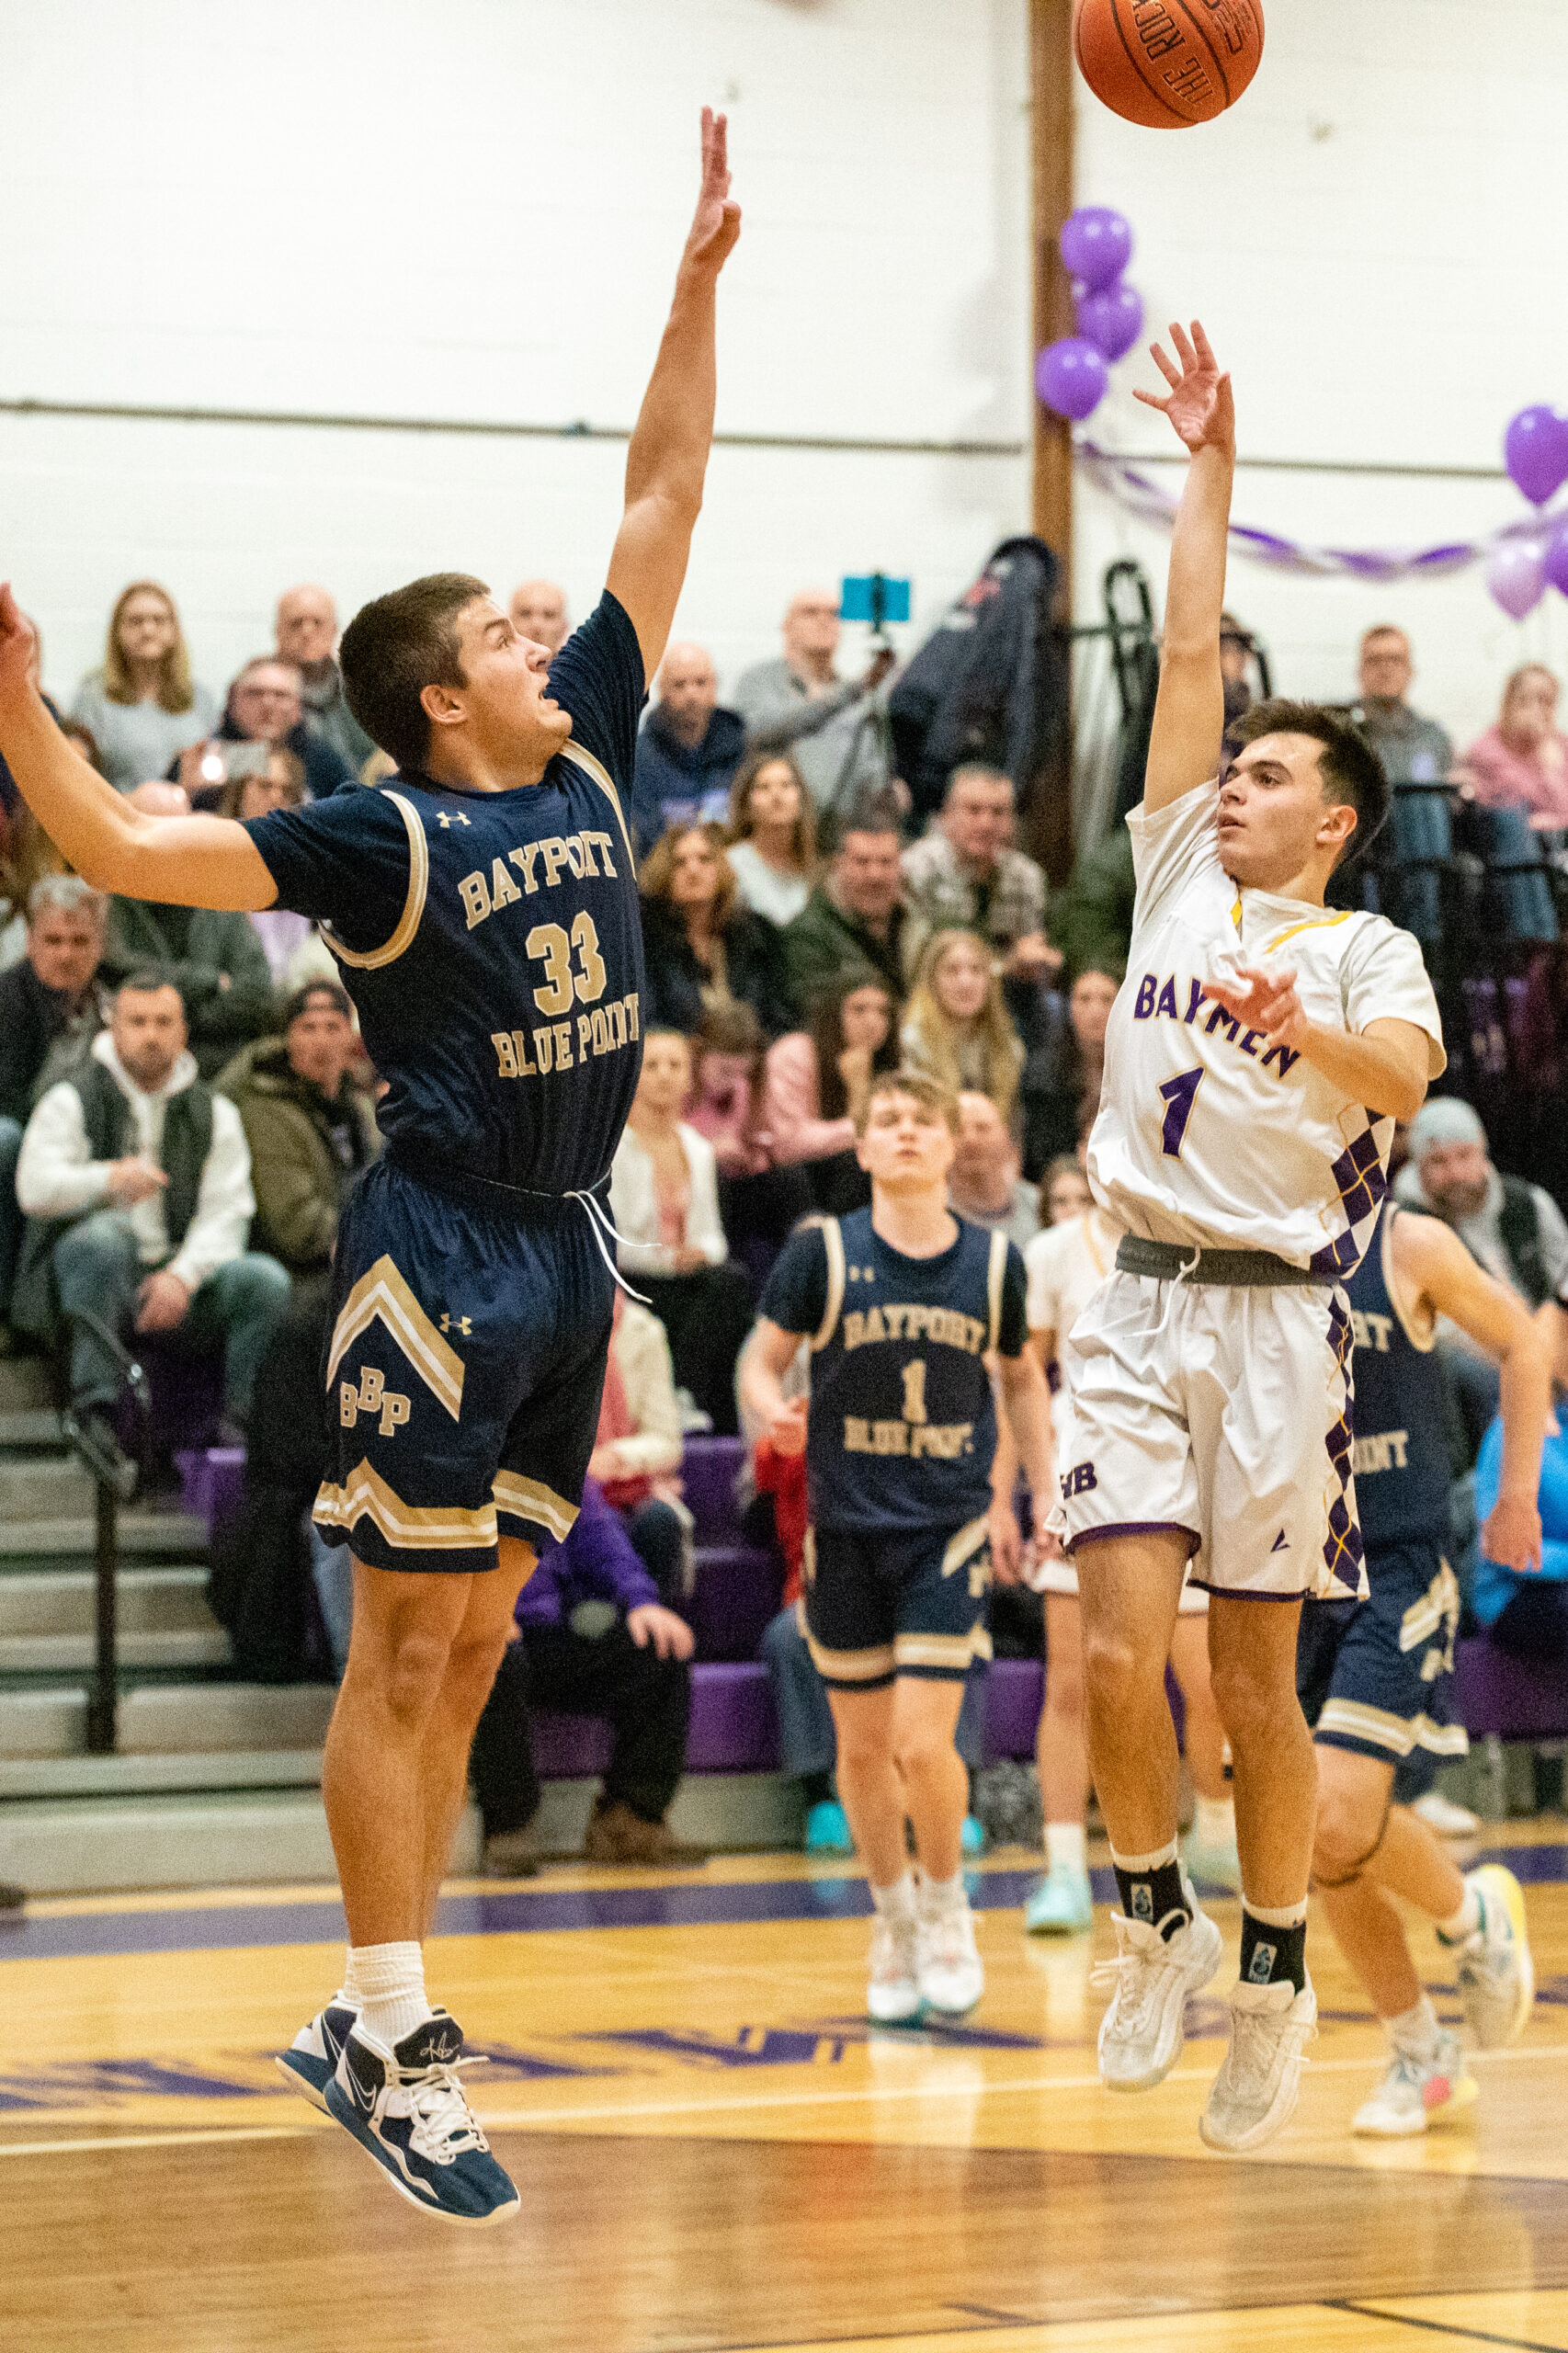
<point>142,707</point>
<point>1522,762</point>
<point>773,836</point>
<point>703,946</point>
<point>957,1027</point>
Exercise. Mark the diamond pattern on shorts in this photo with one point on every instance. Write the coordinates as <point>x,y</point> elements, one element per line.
<point>1359,1175</point>
<point>1343,1548</point>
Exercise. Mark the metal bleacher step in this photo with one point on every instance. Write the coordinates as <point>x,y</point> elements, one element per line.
<point>27,1384</point>
<point>31,1425</point>
<point>58,1540</point>
<point>169,1719</point>
<point>44,1487</point>
<point>165,1598</point>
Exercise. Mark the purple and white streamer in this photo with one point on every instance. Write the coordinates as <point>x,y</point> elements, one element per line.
<point>1141,494</point>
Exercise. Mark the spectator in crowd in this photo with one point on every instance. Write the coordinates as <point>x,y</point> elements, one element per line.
<point>266,705</point>
<point>539,613</point>
<point>51,1008</point>
<point>964,876</point>
<point>263,777</point>
<point>214,958</point>
<point>10,799</point>
<point>309,1126</point>
<point>1091,919</point>
<point>1522,762</point>
<point>1514,1230</point>
<point>856,917</point>
<point>1064,1189</point>
<point>687,749</point>
<point>637,1448</point>
<point>1418,759</point>
<point>773,836</point>
<point>306,629</point>
<point>983,1183</point>
<point>1062,1086</point>
<point>817,1082</point>
<point>594,1638</point>
<point>664,1203</point>
<point>135,1181</point>
<point>956,1026</point>
<point>703,946</point>
<point>142,707</point>
<point>833,727</point>
<point>27,857</point>
<point>759,1201</point>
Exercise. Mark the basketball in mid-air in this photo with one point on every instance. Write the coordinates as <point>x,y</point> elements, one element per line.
<point>1169,64</point>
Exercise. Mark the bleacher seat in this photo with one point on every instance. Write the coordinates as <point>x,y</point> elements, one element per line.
<point>1496,1692</point>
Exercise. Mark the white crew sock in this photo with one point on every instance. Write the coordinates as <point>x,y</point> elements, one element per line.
<point>1413,2034</point>
<point>1064,1846</point>
<point>1466,1920</point>
<point>349,1995</point>
<point>1155,1860</point>
<point>1214,1822</point>
<point>897,1902</point>
<point>1283,1916</point>
<point>391,1981</point>
<point>940,1896</point>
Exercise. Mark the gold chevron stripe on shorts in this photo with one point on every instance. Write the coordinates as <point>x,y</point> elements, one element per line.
<point>412,1526</point>
<point>1353,1720</point>
<point>851,1666</point>
<point>381,1290</point>
<point>967,1542</point>
<point>954,1654</point>
<point>530,1499</point>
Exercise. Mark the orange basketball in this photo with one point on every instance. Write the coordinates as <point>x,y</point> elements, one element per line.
<point>1167,63</point>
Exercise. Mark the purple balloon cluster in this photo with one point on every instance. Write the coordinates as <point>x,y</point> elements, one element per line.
<point>1535,450</point>
<point>1072,375</point>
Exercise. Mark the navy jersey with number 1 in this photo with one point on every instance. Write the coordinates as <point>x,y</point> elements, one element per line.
<point>903,1427</point>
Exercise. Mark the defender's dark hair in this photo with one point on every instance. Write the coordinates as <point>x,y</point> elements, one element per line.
<point>1352,773</point>
<point>393,648</point>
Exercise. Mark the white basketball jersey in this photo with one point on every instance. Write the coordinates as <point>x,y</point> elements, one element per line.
<point>1206,1134</point>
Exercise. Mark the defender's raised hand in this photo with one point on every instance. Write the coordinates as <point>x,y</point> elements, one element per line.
<point>1199,403</point>
<point>718,221</point>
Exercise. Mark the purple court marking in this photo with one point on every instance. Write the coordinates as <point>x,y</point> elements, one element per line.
<point>541,1911</point>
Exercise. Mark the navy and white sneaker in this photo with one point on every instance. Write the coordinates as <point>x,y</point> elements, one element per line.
<point>407,2111</point>
<point>309,2063</point>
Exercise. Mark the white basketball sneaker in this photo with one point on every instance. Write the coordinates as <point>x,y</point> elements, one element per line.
<point>1497,1972</point>
<point>1142,2032</point>
<point>949,1971</point>
<point>892,1996</point>
<point>1418,2092</point>
<point>1254,2092</point>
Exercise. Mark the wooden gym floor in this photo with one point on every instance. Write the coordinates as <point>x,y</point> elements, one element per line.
<point>715,2151</point>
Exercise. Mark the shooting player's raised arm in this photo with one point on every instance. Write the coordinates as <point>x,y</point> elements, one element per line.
<point>1189,714</point>
<point>180,861</point>
<point>667,461</point>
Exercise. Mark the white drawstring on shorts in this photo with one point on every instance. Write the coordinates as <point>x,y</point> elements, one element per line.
<point>600,1223</point>
<point>1183,1272</point>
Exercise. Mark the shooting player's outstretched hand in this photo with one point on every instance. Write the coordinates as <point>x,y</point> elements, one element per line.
<point>1199,404</point>
<point>18,647</point>
<point>718,220</point>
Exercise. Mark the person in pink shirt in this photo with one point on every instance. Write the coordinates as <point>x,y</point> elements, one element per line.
<point>816,1079</point>
<point>1522,762</point>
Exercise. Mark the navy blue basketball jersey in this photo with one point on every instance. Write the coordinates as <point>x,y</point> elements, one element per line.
<point>902,1425</point>
<point>1401,1455</point>
<point>492,941</point>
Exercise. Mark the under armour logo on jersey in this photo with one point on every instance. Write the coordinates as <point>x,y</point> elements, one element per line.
<point>462,1324</point>
<point>448,819</point>
<point>1263,1961</point>
<point>861,1274</point>
<point>1280,1544</point>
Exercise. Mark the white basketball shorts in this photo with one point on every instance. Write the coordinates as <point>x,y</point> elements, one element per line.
<point>1220,1412</point>
<point>1058,1575</point>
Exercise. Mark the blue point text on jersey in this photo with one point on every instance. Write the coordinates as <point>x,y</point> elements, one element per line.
<point>1157,999</point>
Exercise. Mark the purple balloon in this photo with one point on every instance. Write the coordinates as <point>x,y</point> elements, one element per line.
<point>1112,318</point>
<point>1555,562</point>
<point>1096,244</point>
<point>1071,377</point>
<point>1517,577</point>
<point>1535,449</point>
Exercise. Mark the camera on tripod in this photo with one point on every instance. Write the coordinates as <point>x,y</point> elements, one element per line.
<point>872,597</point>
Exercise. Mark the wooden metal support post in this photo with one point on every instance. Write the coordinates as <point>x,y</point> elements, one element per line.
<point>1051,80</point>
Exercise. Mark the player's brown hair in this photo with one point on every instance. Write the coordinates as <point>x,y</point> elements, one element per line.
<point>396,646</point>
<point>1353,776</point>
<point>920,1087</point>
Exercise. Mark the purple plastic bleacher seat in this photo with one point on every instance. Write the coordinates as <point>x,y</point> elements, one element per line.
<point>707,1468</point>
<point>1495,1692</point>
<point>736,1592</point>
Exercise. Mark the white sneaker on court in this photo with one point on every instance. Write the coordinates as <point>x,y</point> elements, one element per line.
<point>892,1996</point>
<point>1418,2092</point>
<point>951,1973</point>
<point>1497,1972</point>
<point>1254,2092</point>
<point>1140,2033</point>
<point>1449,1820</point>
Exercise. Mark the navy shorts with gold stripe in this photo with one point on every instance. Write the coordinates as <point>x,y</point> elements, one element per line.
<point>465,1361</point>
<point>881,1603</point>
<point>1375,1676</point>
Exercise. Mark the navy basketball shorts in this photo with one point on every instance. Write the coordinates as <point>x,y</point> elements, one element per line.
<point>881,1603</point>
<point>1374,1677</point>
<point>464,1366</point>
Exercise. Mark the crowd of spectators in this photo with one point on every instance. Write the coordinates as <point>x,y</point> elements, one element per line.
<point>183,1099</point>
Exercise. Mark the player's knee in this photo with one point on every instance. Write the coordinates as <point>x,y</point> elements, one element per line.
<point>1252,1711</point>
<point>1064,1690</point>
<point>1349,1832</point>
<point>416,1672</point>
<point>1117,1672</point>
<point>472,1666</point>
<point>921,1749</point>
